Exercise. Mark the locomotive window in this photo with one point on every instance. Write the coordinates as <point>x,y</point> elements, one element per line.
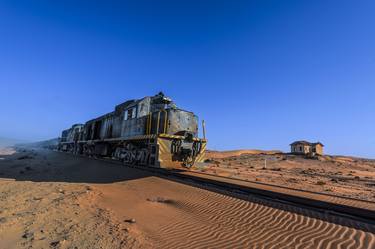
<point>129,114</point>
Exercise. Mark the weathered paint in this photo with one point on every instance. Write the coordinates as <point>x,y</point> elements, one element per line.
<point>139,121</point>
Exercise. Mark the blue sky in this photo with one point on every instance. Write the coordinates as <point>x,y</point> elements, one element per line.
<point>261,73</point>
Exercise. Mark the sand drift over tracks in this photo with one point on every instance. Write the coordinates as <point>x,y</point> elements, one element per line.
<point>356,208</point>
<point>175,213</point>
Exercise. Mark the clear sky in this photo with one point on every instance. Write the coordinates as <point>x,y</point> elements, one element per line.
<point>261,73</point>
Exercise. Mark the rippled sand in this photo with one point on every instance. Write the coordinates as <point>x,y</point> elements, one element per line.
<point>197,218</point>
<point>50,199</point>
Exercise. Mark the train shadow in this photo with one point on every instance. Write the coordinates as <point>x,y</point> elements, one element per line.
<point>39,165</point>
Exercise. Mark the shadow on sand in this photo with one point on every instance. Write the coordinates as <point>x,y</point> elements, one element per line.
<point>49,166</point>
<point>39,165</point>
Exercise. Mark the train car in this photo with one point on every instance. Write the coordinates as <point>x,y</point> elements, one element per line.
<point>150,131</point>
<point>70,137</point>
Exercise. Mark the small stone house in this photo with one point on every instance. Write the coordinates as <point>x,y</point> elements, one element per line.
<point>306,148</point>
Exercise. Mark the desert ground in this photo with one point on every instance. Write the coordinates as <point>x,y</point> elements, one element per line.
<point>55,200</point>
<point>337,175</point>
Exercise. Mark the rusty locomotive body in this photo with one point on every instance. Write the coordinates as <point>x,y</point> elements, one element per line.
<point>150,131</point>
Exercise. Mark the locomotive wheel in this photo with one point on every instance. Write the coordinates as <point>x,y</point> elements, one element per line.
<point>144,156</point>
<point>133,157</point>
<point>130,157</point>
<point>127,157</point>
<point>188,162</point>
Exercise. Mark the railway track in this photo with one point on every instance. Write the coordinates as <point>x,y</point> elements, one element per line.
<point>343,206</point>
<point>349,207</point>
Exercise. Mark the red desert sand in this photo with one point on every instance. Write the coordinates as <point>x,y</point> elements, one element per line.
<point>55,200</point>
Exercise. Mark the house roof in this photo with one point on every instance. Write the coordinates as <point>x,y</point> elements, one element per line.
<point>303,142</point>
<point>319,144</point>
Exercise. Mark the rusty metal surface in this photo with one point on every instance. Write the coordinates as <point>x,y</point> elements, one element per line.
<point>116,133</point>
<point>180,120</point>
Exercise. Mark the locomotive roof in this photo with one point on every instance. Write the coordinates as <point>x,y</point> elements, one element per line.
<point>121,106</point>
<point>101,117</point>
<point>126,104</point>
<point>129,103</point>
<point>179,109</point>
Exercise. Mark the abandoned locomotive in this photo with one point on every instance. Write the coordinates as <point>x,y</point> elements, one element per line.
<point>150,131</point>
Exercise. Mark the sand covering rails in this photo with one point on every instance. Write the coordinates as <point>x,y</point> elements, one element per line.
<point>196,218</point>
<point>63,201</point>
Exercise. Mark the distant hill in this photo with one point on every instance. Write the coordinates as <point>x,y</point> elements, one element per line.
<point>50,143</point>
<point>6,142</point>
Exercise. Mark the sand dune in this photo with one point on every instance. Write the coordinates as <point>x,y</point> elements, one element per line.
<point>197,218</point>
<point>54,200</point>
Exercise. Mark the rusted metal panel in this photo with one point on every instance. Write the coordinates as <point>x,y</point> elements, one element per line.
<point>72,134</point>
<point>130,131</point>
<point>143,108</point>
<point>107,127</point>
<point>117,124</point>
<point>133,127</point>
<point>180,120</point>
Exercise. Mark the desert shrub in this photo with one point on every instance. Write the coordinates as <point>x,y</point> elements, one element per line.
<point>334,180</point>
<point>292,180</point>
<point>276,169</point>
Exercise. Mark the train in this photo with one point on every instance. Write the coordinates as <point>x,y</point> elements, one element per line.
<point>151,131</point>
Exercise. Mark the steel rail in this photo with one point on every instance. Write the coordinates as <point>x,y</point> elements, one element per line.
<point>343,206</point>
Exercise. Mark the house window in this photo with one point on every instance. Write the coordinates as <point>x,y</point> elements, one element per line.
<point>300,148</point>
